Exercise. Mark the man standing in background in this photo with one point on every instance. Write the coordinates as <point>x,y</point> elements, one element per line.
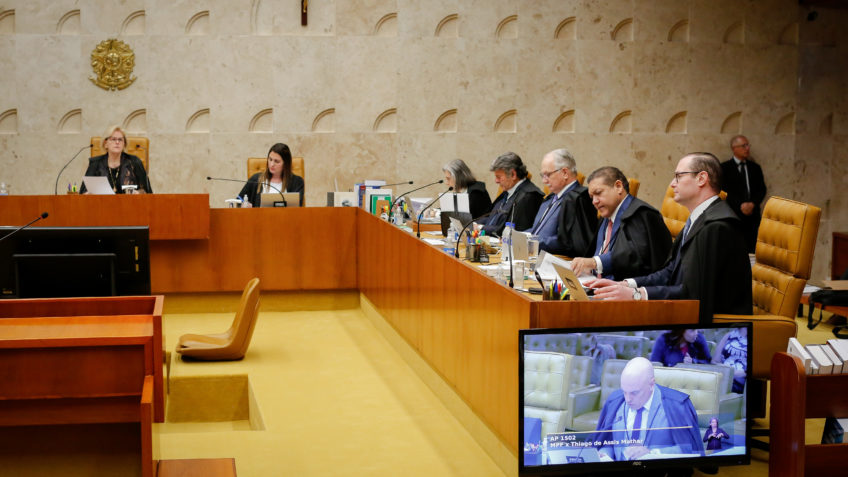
<point>742,179</point>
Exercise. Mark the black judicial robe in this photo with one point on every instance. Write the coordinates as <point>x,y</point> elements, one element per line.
<point>712,266</point>
<point>578,221</point>
<point>640,245</point>
<point>527,199</point>
<point>479,201</point>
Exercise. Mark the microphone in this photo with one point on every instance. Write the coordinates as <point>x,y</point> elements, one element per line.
<point>42,216</point>
<point>511,269</point>
<point>420,214</point>
<point>146,175</point>
<point>285,204</point>
<point>56,186</point>
<point>398,198</point>
<point>399,183</point>
<point>456,247</point>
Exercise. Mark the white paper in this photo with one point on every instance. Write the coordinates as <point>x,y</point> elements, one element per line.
<point>97,185</point>
<point>434,241</point>
<point>545,266</point>
<point>446,203</point>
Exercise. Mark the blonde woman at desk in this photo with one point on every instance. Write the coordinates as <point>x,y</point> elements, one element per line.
<point>120,168</point>
<point>277,177</point>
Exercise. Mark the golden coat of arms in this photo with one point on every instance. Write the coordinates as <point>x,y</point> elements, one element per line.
<point>112,61</point>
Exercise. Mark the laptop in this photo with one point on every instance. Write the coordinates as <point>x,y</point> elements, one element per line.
<point>575,288</point>
<point>97,185</point>
<point>458,219</point>
<point>273,199</point>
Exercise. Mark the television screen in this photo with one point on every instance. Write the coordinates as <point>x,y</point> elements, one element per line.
<point>42,262</point>
<point>636,398</point>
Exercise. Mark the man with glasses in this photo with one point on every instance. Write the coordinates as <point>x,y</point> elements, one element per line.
<point>742,179</point>
<point>708,262</point>
<point>566,220</point>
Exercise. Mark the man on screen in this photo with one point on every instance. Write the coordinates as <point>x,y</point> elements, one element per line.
<point>646,418</point>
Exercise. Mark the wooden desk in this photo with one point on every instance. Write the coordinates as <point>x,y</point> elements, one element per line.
<point>111,309</point>
<point>465,325</point>
<point>79,370</point>
<point>795,397</point>
<point>169,216</point>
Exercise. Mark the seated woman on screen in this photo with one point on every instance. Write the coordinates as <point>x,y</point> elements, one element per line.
<point>277,177</point>
<point>120,168</point>
<point>687,346</point>
<point>459,176</point>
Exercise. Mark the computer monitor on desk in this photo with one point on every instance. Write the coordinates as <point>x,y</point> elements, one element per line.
<point>48,262</point>
<point>274,199</point>
<point>626,399</point>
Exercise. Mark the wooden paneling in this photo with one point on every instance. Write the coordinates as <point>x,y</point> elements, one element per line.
<point>466,325</point>
<point>287,248</point>
<point>136,314</point>
<point>169,216</point>
<point>794,398</point>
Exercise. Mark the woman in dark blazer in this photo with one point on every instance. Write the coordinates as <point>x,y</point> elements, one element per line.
<point>277,177</point>
<point>714,435</point>
<point>120,168</point>
<point>687,346</point>
<point>459,176</point>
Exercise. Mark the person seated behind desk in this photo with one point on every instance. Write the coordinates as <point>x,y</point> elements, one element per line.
<point>632,239</point>
<point>519,201</point>
<point>120,168</point>
<point>460,177</point>
<point>277,177</point>
<point>687,346</point>
<point>646,418</point>
<point>566,221</point>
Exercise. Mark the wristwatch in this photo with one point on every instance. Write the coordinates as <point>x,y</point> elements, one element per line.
<point>637,295</point>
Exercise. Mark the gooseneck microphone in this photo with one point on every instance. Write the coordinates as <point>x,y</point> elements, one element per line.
<point>42,216</point>
<point>146,175</point>
<point>245,182</point>
<point>456,247</point>
<point>413,190</point>
<point>399,183</point>
<point>511,269</point>
<point>420,214</point>
<point>56,186</point>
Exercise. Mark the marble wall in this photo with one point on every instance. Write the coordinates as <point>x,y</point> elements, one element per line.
<point>393,89</point>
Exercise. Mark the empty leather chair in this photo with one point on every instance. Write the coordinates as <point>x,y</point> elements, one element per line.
<point>231,344</point>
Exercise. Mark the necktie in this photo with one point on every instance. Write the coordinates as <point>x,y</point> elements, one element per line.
<point>607,237</point>
<point>545,215</point>
<point>637,424</point>
<point>743,169</point>
<point>685,230</point>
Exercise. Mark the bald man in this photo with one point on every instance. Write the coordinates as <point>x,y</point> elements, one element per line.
<point>635,419</point>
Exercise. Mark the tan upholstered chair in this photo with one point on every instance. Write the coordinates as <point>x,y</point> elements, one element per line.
<point>702,386</point>
<point>785,244</point>
<point>231,344</point>
<point>257,164</point>
<point>626,347</point>
<point>674,214</point>
<point>137,146</point>
<point>634,186</point>
<point>549,378</point>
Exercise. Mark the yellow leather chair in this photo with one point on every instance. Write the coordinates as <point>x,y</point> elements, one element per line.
<point>231,344</point>
<point>137,146</point>
<point>634,186</point>
<point>785,244</point>
<point>675,215</point>
<point>257,164</point>
<point>549,380</point>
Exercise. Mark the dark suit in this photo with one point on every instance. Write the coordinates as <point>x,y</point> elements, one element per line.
<point>639,243</point>
<point>712,266</point>
<point>578,221</point>
<point>479,201</point>
<point>733,182</point>
<point>251,188</point>
<point>527,198</point>
<point>669,408</point>
<point>131,172</point>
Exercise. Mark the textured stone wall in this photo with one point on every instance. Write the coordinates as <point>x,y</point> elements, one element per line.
<point>393,89</point>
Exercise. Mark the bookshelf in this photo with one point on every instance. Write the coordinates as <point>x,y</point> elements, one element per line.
<point>794,398</point>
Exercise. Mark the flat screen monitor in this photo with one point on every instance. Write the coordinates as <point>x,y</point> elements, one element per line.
<point>44,262</point>
<point>636,400</point>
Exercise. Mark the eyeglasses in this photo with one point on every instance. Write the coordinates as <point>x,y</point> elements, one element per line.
<point>744,146</point>
<point>678,174</point>
<point>115,139</point>
<point>547,175</point>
